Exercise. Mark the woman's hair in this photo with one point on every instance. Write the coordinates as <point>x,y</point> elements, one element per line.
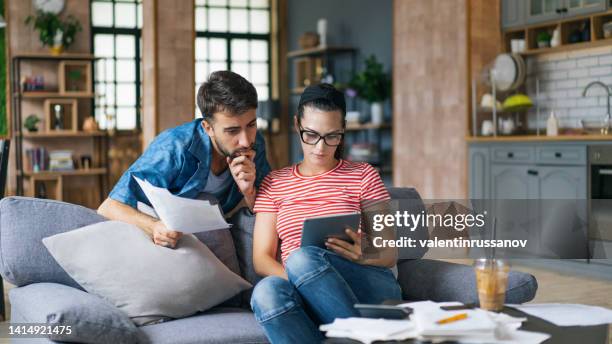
<point>328,105</point>
<point>226,91</point>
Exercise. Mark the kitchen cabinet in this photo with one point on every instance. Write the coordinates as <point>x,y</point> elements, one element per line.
<point>539,11</point>
<point>581,7</point>
<point>520,171</point>
<point>562,182</point>
<point>513,13</point>
<point>479,173</point>
<point>513,182</point>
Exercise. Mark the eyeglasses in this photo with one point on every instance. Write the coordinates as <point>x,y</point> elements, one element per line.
<point>310,137</point>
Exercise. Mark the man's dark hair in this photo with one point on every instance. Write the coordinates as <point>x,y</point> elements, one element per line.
<point>226,91</point>
<point>325,103</point>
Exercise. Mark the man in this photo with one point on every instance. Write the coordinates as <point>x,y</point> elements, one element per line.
<point>221,155</point>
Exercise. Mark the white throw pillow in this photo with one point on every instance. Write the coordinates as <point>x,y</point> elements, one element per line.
<point>119,262</point>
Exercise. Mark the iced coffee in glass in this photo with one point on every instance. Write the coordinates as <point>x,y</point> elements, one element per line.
<point>491,281</point>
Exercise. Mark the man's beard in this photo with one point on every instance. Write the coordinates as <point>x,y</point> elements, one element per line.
<point>235,153</point>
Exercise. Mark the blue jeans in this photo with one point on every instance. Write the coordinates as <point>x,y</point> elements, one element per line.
<point>322,286</point>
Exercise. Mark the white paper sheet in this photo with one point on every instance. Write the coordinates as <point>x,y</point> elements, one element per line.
<point>480,327</point>
<point>568,314</point>
<point>183,214</point>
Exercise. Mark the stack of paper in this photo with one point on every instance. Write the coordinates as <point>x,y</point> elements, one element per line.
<point>479,326</point>
<point>183,214</point>
<point>567,314</point>
<point>368,330</point>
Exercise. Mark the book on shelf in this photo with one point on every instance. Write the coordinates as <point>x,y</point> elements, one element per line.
<point>61,160</point>
<point>37,159</point>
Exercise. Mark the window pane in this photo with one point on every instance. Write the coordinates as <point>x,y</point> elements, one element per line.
<point>110,94</point>
<point>215,66</point>
<point>101,118</point>
<point>109,67</point>
<point>201,48</point>
<point>126,118</point>
<point>126,46</point>
<point>201,72</point>
<point>260,21</point>
<point>259,73</point>
<point>217,2</point>
<point>238,20</point>
<point>259,3</point>
<point>125,15</point>
<point>126,94</point>
<point>259,51</point>
<point>100,70</point>
<point>200,2</point>
<point>102,14</point>
<point>262,93</point>
<point>200,19</point>
<point>242,69</point>
<point>100,94</point>
<point>103,45</point>
<point>238,3</point>
<point>139,13</point>
<point>240,50</point>
<point>126,70</point>
<point>218,49</point>
<point>217,18</point>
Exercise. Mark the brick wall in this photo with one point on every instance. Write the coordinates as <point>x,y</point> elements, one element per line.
<point>562,78</point>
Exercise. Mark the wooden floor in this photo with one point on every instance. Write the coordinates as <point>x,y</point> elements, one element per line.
<point>552,287</point>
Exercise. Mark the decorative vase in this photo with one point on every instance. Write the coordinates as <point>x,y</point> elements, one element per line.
<point>376,112</point>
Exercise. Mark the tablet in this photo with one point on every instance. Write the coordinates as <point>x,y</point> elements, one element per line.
<point>318,229</point>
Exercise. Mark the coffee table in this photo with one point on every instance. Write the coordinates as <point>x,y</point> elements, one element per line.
<point>559,335</point>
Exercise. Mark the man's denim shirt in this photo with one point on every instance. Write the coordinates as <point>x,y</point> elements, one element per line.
<point>179,160</point>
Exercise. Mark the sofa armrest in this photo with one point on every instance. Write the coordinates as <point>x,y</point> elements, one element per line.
<point>425,279</point>
<point>24,222</point>
<point>91,318</point>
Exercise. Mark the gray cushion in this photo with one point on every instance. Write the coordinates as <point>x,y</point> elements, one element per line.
<point>219,242</point>
<point>24,222</point>
<point>425,279</point>
<point>91,319</point>
<point>218,325</point>
<point>120,263</point>
<point>243,223</point>
<point>409,200</point>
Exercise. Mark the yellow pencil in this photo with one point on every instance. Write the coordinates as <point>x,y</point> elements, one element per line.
<point>452,319</point>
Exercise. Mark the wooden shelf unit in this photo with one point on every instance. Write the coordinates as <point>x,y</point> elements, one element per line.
<point>56,138</point>
<point>529,33</point>
<point>75,172</point>
<point>59,134</point>
<point>52,94</point>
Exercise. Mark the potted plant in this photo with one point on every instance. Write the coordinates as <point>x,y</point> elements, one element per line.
<point>54,32</point>
<point>31,123</point>
<point>374,86</point>
<point>543,39</point>
<point>74,76</point>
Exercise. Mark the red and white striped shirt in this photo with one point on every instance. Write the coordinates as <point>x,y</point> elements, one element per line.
<point>347,188</point>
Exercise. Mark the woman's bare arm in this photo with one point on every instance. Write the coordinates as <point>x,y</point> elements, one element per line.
<point>265,246</point>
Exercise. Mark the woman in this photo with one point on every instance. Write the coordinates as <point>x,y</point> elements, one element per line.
<point>313,286</point>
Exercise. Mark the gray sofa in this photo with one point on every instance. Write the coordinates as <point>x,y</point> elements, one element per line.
<point>44,289</point>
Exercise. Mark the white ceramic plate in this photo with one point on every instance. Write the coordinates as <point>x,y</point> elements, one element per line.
<point>506,72</point>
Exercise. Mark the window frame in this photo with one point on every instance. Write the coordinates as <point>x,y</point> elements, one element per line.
<point>229,36</point>
<point>136,32</point>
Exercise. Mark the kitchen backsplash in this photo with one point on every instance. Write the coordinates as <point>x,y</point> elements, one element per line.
<point>562,78</point>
